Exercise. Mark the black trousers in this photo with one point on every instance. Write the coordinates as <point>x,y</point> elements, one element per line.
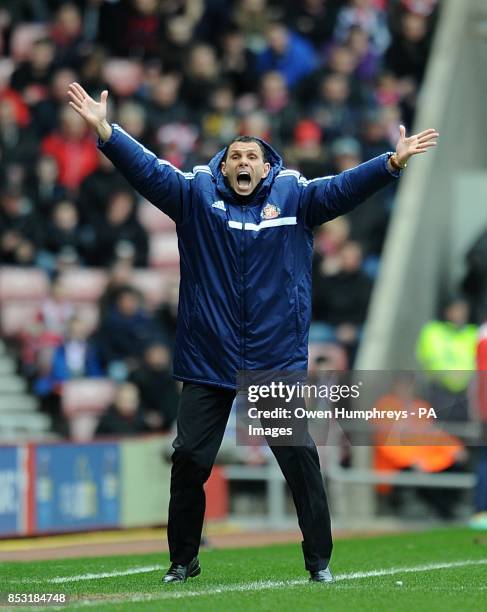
<point>202,418</point>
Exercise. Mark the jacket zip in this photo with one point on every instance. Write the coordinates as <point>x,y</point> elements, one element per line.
<point>242,292</point>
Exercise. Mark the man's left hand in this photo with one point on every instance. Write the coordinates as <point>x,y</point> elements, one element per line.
<point>413,145</point>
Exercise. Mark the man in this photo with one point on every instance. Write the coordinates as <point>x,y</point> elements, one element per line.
<point>245,239</point>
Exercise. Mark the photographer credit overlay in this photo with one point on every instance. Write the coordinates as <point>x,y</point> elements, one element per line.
<point>387,408</point>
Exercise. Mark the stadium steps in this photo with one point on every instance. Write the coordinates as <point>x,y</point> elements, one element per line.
<point>17,402</point>
<point>11,383</point>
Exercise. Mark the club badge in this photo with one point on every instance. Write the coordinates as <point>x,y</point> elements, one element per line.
<point>270,211</point>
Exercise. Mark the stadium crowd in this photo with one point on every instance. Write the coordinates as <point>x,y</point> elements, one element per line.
<point>327,82</point>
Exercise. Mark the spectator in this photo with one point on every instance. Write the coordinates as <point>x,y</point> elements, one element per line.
<point>331,108</point>
<point>158,390</point>
<point>74,150</point>
<point>340,299</point>
<point>75,357</point>
<point>17,143</point>
<point>313,19</point>
<point>120,225</point>
<point>42,185</point>
<point>407,55</point>
<point>446,352</point>
<point>124,333</point>
<point>62,231</point>
<point>287,53</point>
<point>125,417</point>
<point>275,100</point>
<point>237,62</point>
<point>47,111</point>
<point>202,75</point>
<point>32,77</point>
<point>95,191</point>
<point>307,153</point>
<point>20,231</point>
<point>445,454</point>
<point>362,13</point>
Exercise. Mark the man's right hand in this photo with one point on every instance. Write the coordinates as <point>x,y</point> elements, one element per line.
<point>94,113</point>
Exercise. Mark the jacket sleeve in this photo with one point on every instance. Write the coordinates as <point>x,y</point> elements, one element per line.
<point>157,180</point>
<point>325,198</point>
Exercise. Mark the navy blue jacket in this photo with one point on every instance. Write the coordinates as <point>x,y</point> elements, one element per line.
<point>245,290</point>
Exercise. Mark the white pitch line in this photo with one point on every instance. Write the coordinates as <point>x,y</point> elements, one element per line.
<point>235,588</point>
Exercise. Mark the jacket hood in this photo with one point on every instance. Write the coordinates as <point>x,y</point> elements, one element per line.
<point>261,190</point>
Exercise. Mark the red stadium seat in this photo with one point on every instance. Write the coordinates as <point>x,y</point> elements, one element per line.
<point>23,37</point>
<point>163,250</point>
<point>123,76</point>
<point>16,317</point>
<point>83,401</point>
<point>84,285</point>
<point>152,284</point>
<point>153,219</point>
<point>22,283</point>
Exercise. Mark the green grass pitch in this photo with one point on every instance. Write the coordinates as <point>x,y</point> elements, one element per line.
<point>439,570</point>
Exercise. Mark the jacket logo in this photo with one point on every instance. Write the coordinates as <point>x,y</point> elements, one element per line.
<point>219,204</point>
<point>270,211</point>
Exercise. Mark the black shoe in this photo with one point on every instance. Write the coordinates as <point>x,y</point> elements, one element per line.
<point>323,575</point>
<point>180,573</point>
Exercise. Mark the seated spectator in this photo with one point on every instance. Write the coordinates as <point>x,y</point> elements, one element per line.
<point>42,185</point>
<point>56,311</point>
<point>340,299</point>
<point>32,76</point>
<point>46,113</point>
<point>96,189</point>
<point>20,229</point>
<point>363,13</point>
<point>120,225</point>
<point>63,231</point>
<point>125,331</point>
<point>201,77</point>
<point>275,100</point>
<point>158,390</point>
<point>287,53</point>
<point>331,108</point>
<point>307,153</point>
<point>125,417</point>
<point>445,349</point>
<point>237,62</point>
<point>75,357</point>
<point>74,150</point>
<point>17,143</point>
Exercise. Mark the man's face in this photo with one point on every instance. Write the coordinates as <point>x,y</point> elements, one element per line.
<point>245,167</point>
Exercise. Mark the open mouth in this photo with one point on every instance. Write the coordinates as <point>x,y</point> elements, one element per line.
<point>243,179</point>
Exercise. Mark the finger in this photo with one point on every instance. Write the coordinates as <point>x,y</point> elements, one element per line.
<point>81,91</point>
<point>427,132</point>
<point>402,132</point>
<point>75,95</point>
<point>104,96</point>
<point>428,137</point>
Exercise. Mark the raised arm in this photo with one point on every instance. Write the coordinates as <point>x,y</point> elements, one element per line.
<point>157,180</point>
<point>325,198</point>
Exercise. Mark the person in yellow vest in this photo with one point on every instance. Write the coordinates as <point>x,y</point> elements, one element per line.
<point>446,352</point>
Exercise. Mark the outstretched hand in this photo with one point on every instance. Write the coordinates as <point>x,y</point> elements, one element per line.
<point>415,144</point>
<point>94,113</point>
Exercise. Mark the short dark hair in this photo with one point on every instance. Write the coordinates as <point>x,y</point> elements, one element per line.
<point>247,139</point>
